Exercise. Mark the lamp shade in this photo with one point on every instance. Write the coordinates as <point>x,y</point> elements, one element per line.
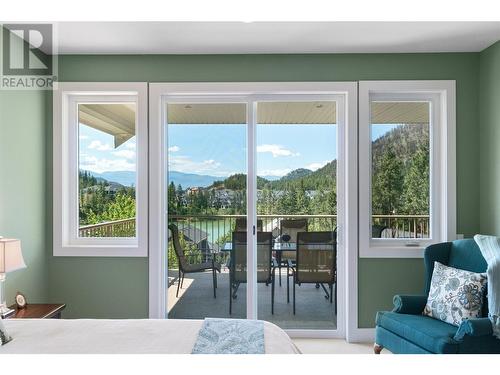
<point>11,257</point>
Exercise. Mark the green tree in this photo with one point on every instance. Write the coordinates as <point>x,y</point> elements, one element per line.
<point>416,183</point>
<point>387,183</point>
<point>122,207</point>
<point>302,200</point>
<point>172,199</point>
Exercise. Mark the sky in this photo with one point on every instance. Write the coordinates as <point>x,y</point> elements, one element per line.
<point>220,150</point>
<point>97,152</point>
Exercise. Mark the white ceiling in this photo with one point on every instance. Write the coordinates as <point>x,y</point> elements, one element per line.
<point>273,37</point>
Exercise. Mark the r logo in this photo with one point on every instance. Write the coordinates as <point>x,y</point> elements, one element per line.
<point>27,49</point>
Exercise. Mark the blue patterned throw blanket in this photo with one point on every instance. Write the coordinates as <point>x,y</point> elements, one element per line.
<point>230,336</point>
<point>490,248</point>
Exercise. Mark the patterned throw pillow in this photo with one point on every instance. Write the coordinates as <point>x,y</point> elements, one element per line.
<point>455,295</point>
<point>4,336</point>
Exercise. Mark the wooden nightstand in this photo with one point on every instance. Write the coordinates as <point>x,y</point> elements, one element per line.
<point>38,311</point>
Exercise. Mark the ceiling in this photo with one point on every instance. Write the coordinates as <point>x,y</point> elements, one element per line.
<point>273,37</point>
<point>315,112</point>
<point>118,119</point>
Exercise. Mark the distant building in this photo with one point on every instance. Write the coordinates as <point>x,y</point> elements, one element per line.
<point>192,190</point>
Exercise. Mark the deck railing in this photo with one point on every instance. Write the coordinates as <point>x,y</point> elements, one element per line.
<point>403,226</point>
<point>211,231</point>
<point>117,228</point>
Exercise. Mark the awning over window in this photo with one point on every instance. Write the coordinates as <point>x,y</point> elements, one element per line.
<point>117,120</point>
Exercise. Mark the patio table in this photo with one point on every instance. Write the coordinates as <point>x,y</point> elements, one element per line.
<point>277,246</point>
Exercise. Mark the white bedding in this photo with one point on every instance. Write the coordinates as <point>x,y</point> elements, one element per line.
<point>102,336</point>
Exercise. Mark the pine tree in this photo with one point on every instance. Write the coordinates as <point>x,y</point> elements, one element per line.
<point>172,199</point>
<point>416,184</point>
<point>387,183</point>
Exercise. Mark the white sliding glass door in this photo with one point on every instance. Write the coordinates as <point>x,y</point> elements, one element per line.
<point>297,175</point>
<point>237,168</point>
<point>206,168</point>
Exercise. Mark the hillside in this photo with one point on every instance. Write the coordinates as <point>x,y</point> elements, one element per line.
<point>404,140</point>
<point>297,173</point>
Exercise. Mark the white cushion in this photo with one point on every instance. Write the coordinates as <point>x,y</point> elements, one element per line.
<point>455,295</point>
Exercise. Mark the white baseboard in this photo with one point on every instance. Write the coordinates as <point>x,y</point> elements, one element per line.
<point>361,335</point>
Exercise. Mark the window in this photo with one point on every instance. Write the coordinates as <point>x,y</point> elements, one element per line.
<point>100,170</point>
<point>405,166</point>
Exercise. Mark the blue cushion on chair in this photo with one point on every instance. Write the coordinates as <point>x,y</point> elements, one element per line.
<point>466,255</point>
<point>396,344</point>
<point>430,334</point>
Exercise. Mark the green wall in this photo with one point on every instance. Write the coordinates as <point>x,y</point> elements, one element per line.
<point>23,189</point>
<point>489,166</point>
<point>118,287</point>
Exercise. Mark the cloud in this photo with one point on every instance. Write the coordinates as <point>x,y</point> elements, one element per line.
<point>127,154</point>
<point>276,150</point>
<point>316,166</point>
<point>130,145</point>
<point>186,165</point>
<point>173,149</point>
<point>274,172</point>
<point>99,146</point>
<point>100,165</point>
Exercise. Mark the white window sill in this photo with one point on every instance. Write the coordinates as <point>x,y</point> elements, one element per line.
<point>101,251</point>
<point>392,252</point>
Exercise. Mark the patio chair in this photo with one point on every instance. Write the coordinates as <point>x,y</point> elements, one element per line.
<point>316,262</point>
<point>377,230</point>
<point>266,265</point>
<point>241,225</point>
<point>290,228</point>
<point>186,267</point>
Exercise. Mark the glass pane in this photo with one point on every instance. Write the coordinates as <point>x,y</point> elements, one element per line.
<point>400,169</point>
<point>297,197</point>
<point>107,164</point>
<point>207,207</point>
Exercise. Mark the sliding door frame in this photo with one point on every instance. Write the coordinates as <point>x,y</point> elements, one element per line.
<point>250,92</point>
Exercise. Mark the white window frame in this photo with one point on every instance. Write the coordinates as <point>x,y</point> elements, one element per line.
<point>254,92</point>
<point>441,95</point>
<point>66,97</point>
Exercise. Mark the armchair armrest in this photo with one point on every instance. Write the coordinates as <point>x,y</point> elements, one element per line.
<point>406,304</point>
<point>474,327</point>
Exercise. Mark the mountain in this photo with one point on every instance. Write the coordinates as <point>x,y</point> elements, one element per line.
<point>271,178</point>
<point>297,173</point>
<point>237,182</point>
<point>405,140</point>
<point>300,177</point>
<point>125,178</point>
<point>190,179</point>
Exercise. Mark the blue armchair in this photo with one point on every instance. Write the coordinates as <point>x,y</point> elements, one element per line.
<point>405,330</point>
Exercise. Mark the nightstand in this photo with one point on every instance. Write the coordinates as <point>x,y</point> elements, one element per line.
<point>38,311</point>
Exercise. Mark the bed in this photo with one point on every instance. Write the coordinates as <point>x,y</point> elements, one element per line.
<point>134,336</point>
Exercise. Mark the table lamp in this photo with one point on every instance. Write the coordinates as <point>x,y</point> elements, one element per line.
<point>11,259</point>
